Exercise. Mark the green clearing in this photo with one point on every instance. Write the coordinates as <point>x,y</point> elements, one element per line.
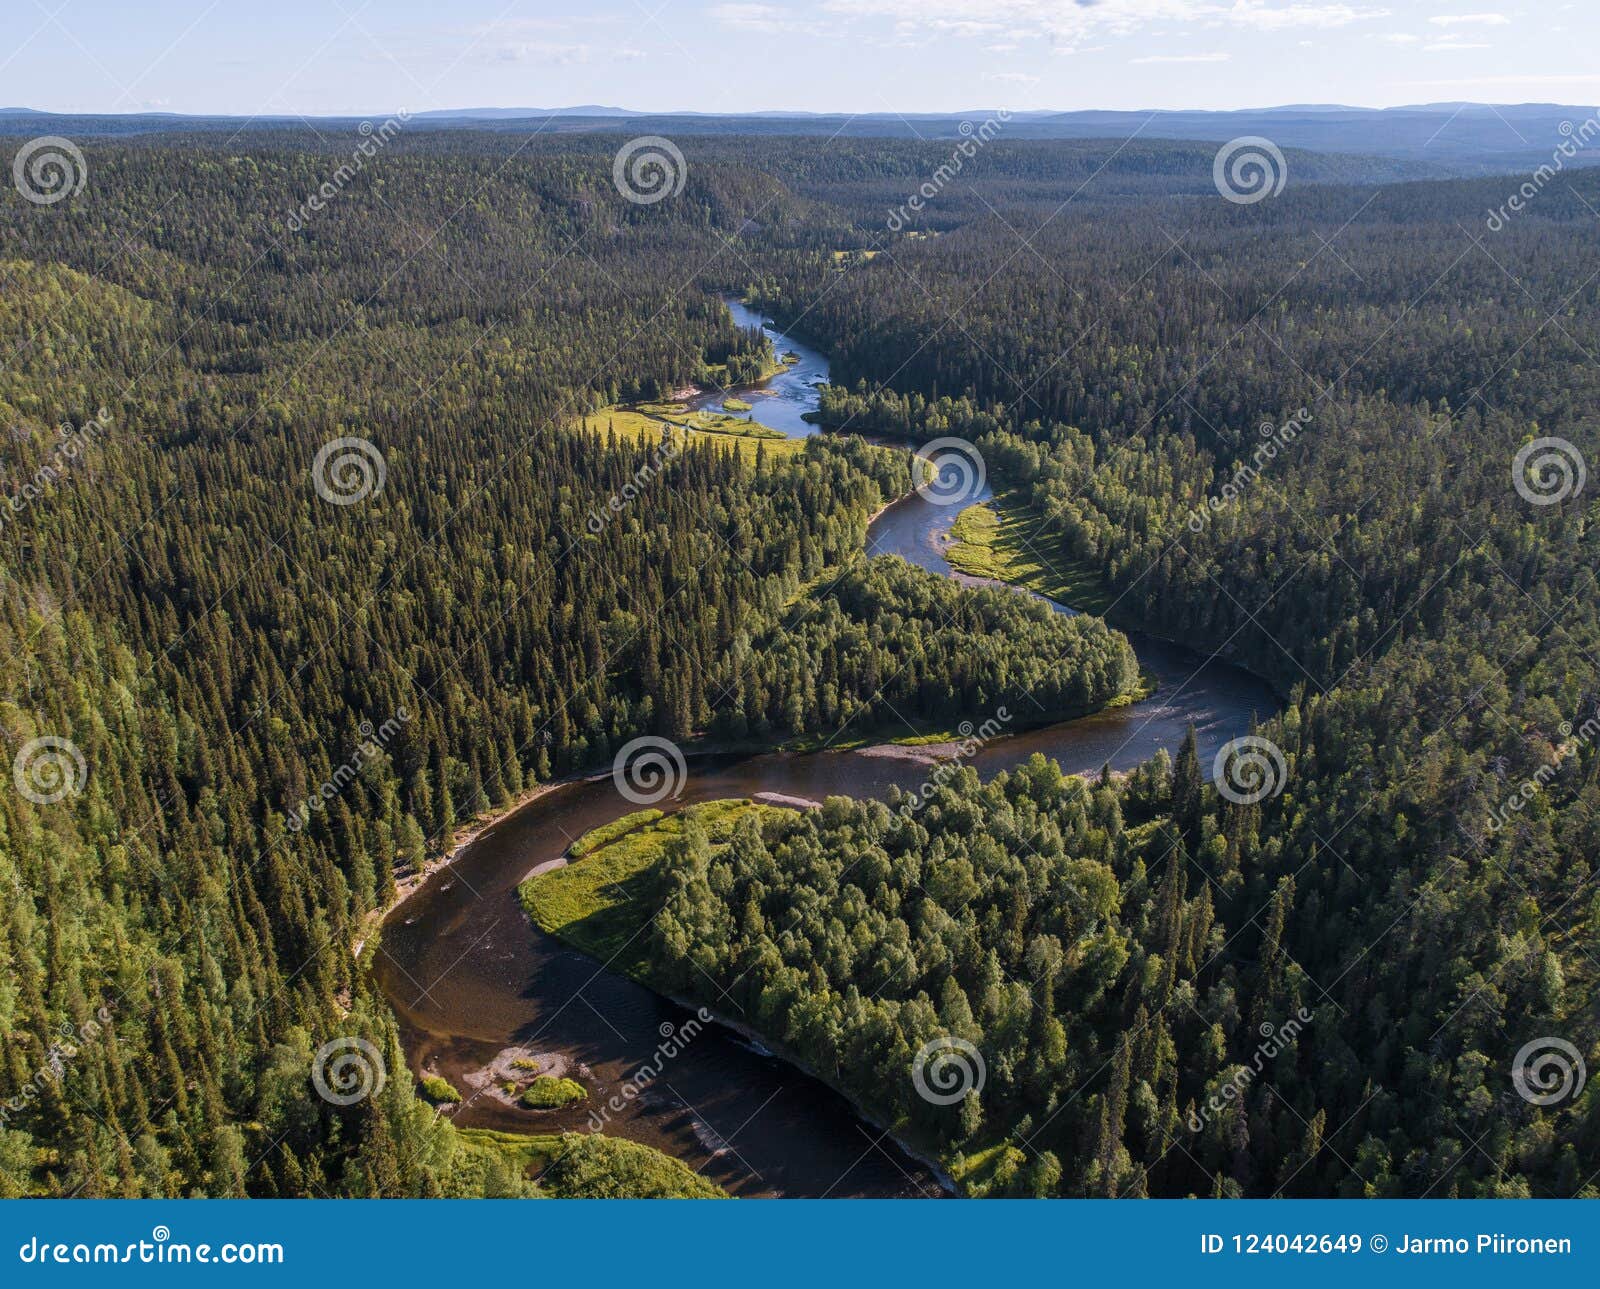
<point>1001,545</point>
<point>1004,545</point>
<point>590,1166</point>
<point>586,1165</point>
<point>605,834</point>
<point>599,903</point>
<point>628,422</point>
<point>529,1153</point>
<point>648,421</point>
<point>944,735</point>
<point>731,404</point>
<point>721,423</point>
<point>989,1170</point>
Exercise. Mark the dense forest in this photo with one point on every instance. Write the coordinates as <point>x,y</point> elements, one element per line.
<point>216,639</point>
<point>1427,599</point>
<point>885,638</point>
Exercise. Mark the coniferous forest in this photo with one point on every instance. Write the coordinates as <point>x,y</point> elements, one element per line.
<point>216,602</point>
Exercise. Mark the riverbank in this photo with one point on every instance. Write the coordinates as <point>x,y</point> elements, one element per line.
<point>993,541</point>
<point>406,887</point>
<point>606,895</point>
<point>781,1052</point>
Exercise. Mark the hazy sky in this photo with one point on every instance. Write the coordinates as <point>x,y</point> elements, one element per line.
<point>350,56</point>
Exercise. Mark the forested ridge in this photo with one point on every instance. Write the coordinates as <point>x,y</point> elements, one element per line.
<point>213,636</point>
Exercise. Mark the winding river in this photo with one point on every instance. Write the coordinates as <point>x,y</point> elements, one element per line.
<point>468,975</point>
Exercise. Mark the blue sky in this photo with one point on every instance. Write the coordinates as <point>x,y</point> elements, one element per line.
<point>368,56</point>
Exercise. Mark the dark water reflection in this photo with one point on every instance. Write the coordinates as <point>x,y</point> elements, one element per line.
<point>469,975</point>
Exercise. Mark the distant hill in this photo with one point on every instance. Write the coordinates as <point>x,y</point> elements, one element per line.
<point>1448,138</point>
<point>1469,136</point>
<point>518,113</point>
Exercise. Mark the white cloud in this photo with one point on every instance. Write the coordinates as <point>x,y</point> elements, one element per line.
<point>1069,21</point>
<point>1399,38</point>
<point>1263,17</point>
<point>560,55</point>
<point>752,17</point>
<point>1183,58</point>
<point>1450,46</point>
<point>1012,78</point>
<point>1471,20</point>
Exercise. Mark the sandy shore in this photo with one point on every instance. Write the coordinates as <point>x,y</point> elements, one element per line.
<point>405,888</point>
<point>518,1067</point>
<point>784,799</point>
<point>921,753</point>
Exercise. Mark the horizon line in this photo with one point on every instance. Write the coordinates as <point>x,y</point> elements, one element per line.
<point>604,111</point>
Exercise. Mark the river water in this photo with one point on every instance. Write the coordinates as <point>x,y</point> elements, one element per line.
<point>468,974</point>
<point>782,402</point>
